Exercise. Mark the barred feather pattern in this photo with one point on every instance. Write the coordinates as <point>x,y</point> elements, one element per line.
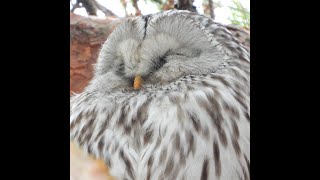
<point>196,126</point>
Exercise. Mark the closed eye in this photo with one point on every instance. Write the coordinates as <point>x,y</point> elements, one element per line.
<point>120,70</point>
<point>158,64</point>
<point>162,60</point>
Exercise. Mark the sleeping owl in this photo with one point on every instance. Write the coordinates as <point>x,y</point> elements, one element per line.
<point>169,100</point>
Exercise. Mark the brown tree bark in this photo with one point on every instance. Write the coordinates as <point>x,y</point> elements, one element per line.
<point>169,4</point>
<point>87,35</point>
<point>89,6</point>
<point>136,7</point>
<point>211,9</point>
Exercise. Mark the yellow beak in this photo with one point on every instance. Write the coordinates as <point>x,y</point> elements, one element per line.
<point>137,83</point>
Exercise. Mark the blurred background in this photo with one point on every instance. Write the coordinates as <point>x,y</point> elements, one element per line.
<point>236,12</point>
<point>91,22</point>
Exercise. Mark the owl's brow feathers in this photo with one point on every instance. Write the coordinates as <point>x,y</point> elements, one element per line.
<point>146,19</point>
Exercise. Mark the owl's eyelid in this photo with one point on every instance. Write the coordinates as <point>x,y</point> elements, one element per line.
<point>119,70</point>
<point>169,52</point>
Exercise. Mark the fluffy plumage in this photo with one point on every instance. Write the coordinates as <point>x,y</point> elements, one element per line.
<point>190,119</point>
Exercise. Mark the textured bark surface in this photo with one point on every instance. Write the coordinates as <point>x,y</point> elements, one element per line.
<point>87,36</point>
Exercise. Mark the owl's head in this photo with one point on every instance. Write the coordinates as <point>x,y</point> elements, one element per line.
<point>160,48</point>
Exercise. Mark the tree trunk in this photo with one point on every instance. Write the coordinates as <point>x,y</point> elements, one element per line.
<point>185,5</point>
<point>87,35</point>
<point>211,9</point>
<point>136,7</point>
<point>89,6</point>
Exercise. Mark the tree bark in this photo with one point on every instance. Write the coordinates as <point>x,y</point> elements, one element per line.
<point>169,4</point>
<point>89,6</point>
<point>124,5</point>
<point>185,5</point>
<point>211,9</point>
<point>136,7</point>
<point>87,34</point>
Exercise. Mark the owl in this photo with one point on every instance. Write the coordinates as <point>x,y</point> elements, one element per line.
<point>169,99</point>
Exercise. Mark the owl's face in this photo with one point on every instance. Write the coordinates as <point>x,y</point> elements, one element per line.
<point>158,48</point>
